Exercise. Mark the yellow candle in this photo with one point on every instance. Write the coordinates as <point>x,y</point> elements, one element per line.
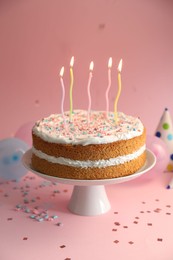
<point>71,86</point>
<point>119,90</point>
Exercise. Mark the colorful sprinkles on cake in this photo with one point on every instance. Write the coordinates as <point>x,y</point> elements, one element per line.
<point>100,130</point>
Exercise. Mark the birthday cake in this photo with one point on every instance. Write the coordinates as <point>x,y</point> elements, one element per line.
<point>98,148</point>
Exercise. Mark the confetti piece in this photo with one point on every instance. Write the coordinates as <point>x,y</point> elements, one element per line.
<point>32,216</point>
<point>46,216</point>
<point>160,239</point>
<point>157,210</point>
<point>27,211</point>
<point>131,242</point>
<point>9,219</point>
<point>54,217</point>
<point>40,219</point>
<point>63,246</point>
<point>59,224</point>
<point>26,201</point>
<point>18,206</point>
<point>56,191</point>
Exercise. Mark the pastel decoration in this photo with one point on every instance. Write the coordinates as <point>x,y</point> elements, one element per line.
<point>11,152</point>
<point>24,133</point>
<point>165,132</point>
<point>159,148</point>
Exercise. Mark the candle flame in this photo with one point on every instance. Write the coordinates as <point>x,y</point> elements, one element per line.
<point>110,63</point>
<point>120,65</point>
<point>72,61</point>
<point>91,66</point>
<point>61,72</point>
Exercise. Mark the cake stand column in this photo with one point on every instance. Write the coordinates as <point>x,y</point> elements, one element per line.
<point>89,200</point>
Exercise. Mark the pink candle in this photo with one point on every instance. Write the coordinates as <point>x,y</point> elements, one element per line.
<point>109,85</point>
<point>63,94</point>
<point>88,88</point>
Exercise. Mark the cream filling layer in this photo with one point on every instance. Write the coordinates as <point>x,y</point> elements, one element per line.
<point>89,164</point>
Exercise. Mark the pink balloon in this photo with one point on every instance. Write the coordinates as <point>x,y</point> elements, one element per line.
<point>25,133</point>
<point>159,151</point>
<point>159,148</point>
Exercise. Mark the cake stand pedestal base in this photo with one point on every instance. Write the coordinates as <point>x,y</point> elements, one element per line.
<point>89,200</point>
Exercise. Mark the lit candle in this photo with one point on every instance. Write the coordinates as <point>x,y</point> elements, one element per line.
<point>63,94</point>
<point>71,86</point>
<point>109,85</point>
<point>119,90</point>
<point>88,88</point>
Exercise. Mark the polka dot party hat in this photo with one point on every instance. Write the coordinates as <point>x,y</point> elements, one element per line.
<point>165,132</point>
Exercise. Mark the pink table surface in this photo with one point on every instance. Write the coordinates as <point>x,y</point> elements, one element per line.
<point>138,226</point>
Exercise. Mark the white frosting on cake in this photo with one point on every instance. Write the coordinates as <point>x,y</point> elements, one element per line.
<point>90,164</point>
<point>100,129</point>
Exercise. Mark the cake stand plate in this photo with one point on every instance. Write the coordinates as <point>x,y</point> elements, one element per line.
<point>89,197</point>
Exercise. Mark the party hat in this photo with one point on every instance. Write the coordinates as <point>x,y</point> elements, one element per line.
<point>165,132</point>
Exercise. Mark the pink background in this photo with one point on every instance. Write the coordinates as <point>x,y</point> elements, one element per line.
<point>37,37</point>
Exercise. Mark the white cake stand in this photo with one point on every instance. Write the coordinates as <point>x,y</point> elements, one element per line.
<point>89,197</point>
